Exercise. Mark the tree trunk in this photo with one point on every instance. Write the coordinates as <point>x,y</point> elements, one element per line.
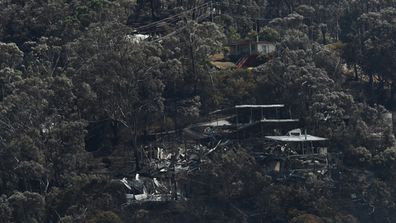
<point>152,9</point>
<point>136,152</point>
<point>392,104</point>
<point>356,72</point>
<point>174,184</point>
<point>135,145</point>
<point>192,57</point>
<point>324,37</point>
<point>371,81</point>
<point>338,28</point>
<point>173,178</point>
<point>114,127</point>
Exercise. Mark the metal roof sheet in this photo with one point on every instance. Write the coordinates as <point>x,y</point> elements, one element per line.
<point>221,122</point>
<point>260,106</point>
<point>278,120</point>
<point>300,138</point>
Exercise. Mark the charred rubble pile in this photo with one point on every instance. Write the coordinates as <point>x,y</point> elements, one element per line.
<point>166,172</point>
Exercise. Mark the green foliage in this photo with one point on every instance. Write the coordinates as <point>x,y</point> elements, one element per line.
<point>358,156</point>
<point>237,177</point>
<point>11,56</point>
<point>232,34</point>
<point>306,218</point>
<point>306,10</point>
<point>105,217</point>
<point>67,65</point>
<point>292,21</point>
<point>386,160</point>
<point>378,43</point>
<point>192,49</point>
<point>269,34</point>
<point>27,207</point>
<point>5,210</point>
<point>312,74</point>
<point>235,87</point>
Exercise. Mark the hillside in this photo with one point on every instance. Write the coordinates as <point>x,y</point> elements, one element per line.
<point>198,111</point>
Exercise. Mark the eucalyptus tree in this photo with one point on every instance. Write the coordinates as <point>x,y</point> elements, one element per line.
<point>124,75</point>
<point>378,32</point>
<point>300,69</point>
<point>23,106</point>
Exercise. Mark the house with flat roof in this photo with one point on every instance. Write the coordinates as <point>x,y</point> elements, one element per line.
<point>245,53</point>
<point>248,47</point>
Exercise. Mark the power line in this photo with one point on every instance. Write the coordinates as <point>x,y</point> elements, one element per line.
<point>203,9</point>
<point>244,6</point>
<point>173,18</point>
<point>178,30</point>
<point>170,21</point>
<point>169,35</point>
<point>239,5</point>
<point>248,17</point>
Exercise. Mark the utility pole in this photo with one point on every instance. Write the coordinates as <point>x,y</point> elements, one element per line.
<point>211,11</point>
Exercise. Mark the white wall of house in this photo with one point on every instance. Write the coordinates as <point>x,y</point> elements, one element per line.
<point>264,48</point>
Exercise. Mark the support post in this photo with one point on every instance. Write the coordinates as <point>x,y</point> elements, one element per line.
<point>261,124</point>
<point>237,124</point>
<point>251,115</point>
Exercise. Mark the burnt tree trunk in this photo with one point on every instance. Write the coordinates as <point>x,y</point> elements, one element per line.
<point>356,72</point>
<point>194,71</point>
<point>134,145</point>
<point>392,104</point>
<point>114,128</point>
<point>152,6</point>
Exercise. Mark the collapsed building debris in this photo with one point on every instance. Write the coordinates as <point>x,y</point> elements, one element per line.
<point>144,189</point>
<point>168,170</point>
<point>285,155</point>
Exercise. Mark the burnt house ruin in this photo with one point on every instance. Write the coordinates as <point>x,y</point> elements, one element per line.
<point>295,155</point>
<point>243,122</point>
